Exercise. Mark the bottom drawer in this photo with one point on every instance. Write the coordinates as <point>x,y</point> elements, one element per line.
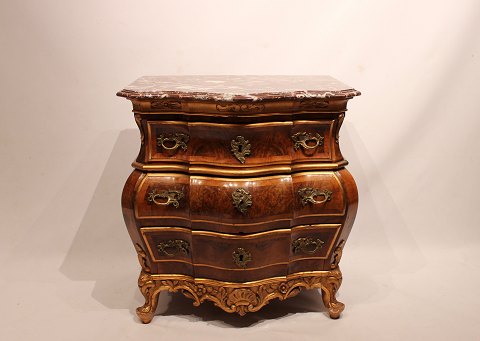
<point>240,258</point>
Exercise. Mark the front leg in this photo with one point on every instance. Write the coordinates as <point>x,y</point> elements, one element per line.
<point>329,290</point>
<point>150,290</point>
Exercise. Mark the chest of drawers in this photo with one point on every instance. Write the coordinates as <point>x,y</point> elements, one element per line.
<point>240,193</point>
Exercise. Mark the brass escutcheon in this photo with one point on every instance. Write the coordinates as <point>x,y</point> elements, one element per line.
<point>308,195</point>
<point>241,257</point>
<point>242,200</point>
<point>179,139</point>
<point>172,197</point>
<point>303,138</point>
<point>175,245</point>
<point>240,148</point>
<point>306,245</point>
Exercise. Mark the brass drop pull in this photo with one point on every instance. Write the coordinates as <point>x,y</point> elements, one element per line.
<point>240,148</point>
<point>308,195</point>
<point>241,257</point>
<point>307,140</point>
<point>174,247</point>
<point>178,140</point>
<point>306,245</point>
<point>242,200</point>
<point>165,198</point>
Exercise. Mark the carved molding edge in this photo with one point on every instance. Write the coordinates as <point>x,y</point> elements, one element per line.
<point>233,107</point>
<point>341,117</point>
<point>138,120</point>
<point>142,258</point>
<point>313,104</point>
<point>166,105</point>
<point>238,297</point>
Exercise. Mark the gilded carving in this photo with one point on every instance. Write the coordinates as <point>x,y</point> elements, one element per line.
<point>313,104</point>
<point>138,120</point>
<point>142,258</point>
<point>337,255</point>
<point>341,117</point>
<point>166,105</point>
<point>234,107</point>
<point>240,298</point>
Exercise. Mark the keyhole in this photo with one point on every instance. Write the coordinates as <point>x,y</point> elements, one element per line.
<point>240,148</point>
<point>240,258</point>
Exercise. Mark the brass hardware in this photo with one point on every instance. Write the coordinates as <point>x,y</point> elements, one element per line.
<point>307,245</point>
<point>242,200</point>
<point>172,197</point>
<point>303,138</point>
<point>241,257</point>
<point>179,139</point>
<point>176,245</point>
<point>309,194</point>
<point>240,148</point>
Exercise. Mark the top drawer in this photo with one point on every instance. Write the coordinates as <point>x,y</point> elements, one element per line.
<point>240,145</point>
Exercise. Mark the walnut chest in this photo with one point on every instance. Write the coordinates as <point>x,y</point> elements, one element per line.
<point>240,193</point>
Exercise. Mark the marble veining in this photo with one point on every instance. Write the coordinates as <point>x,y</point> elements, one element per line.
<point>233,88</point>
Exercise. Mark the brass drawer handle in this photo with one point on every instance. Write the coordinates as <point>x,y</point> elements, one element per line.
<point>241,257</point>
<point>179,139</point>
<point>308,195</point>
<point>170,197</point>
<point>175,246</point>
<point>303,138</point>
<point>242,200</point>
<point>306,245</point>
<point>240,148</point>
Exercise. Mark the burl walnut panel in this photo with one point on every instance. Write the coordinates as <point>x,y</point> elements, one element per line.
<point>240,193</point>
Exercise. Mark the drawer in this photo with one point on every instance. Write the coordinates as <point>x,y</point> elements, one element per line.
<point>237,205</point>
<point>317,195</point>
<point>239,145</point>
<point>170,249</point>
<point>248,257</point>
<point>311,247</point>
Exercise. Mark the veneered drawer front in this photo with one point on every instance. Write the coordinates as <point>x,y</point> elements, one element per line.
<point>317,194</point>
<point>170,249</point>
<point>240,202</point>
<point>312,141</point>
<point>312,247</point>
<point>224,145</point>
<point>237,205</point>
<point>239,146</point>
<point>241,252</point>
<point>241,258</point>
<point>164,197</point>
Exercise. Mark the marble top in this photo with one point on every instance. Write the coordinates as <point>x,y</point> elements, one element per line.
<point>232,88</point>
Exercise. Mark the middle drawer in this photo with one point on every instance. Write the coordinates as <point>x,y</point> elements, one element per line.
<point>234,205</point>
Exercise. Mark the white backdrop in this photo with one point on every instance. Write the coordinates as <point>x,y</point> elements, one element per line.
<point>411,265</point>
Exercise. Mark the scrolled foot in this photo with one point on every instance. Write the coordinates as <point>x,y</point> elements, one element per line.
<point>150,291</point>
<point>145,317</point>
<point>336,309</point>
<point>329,291</point>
